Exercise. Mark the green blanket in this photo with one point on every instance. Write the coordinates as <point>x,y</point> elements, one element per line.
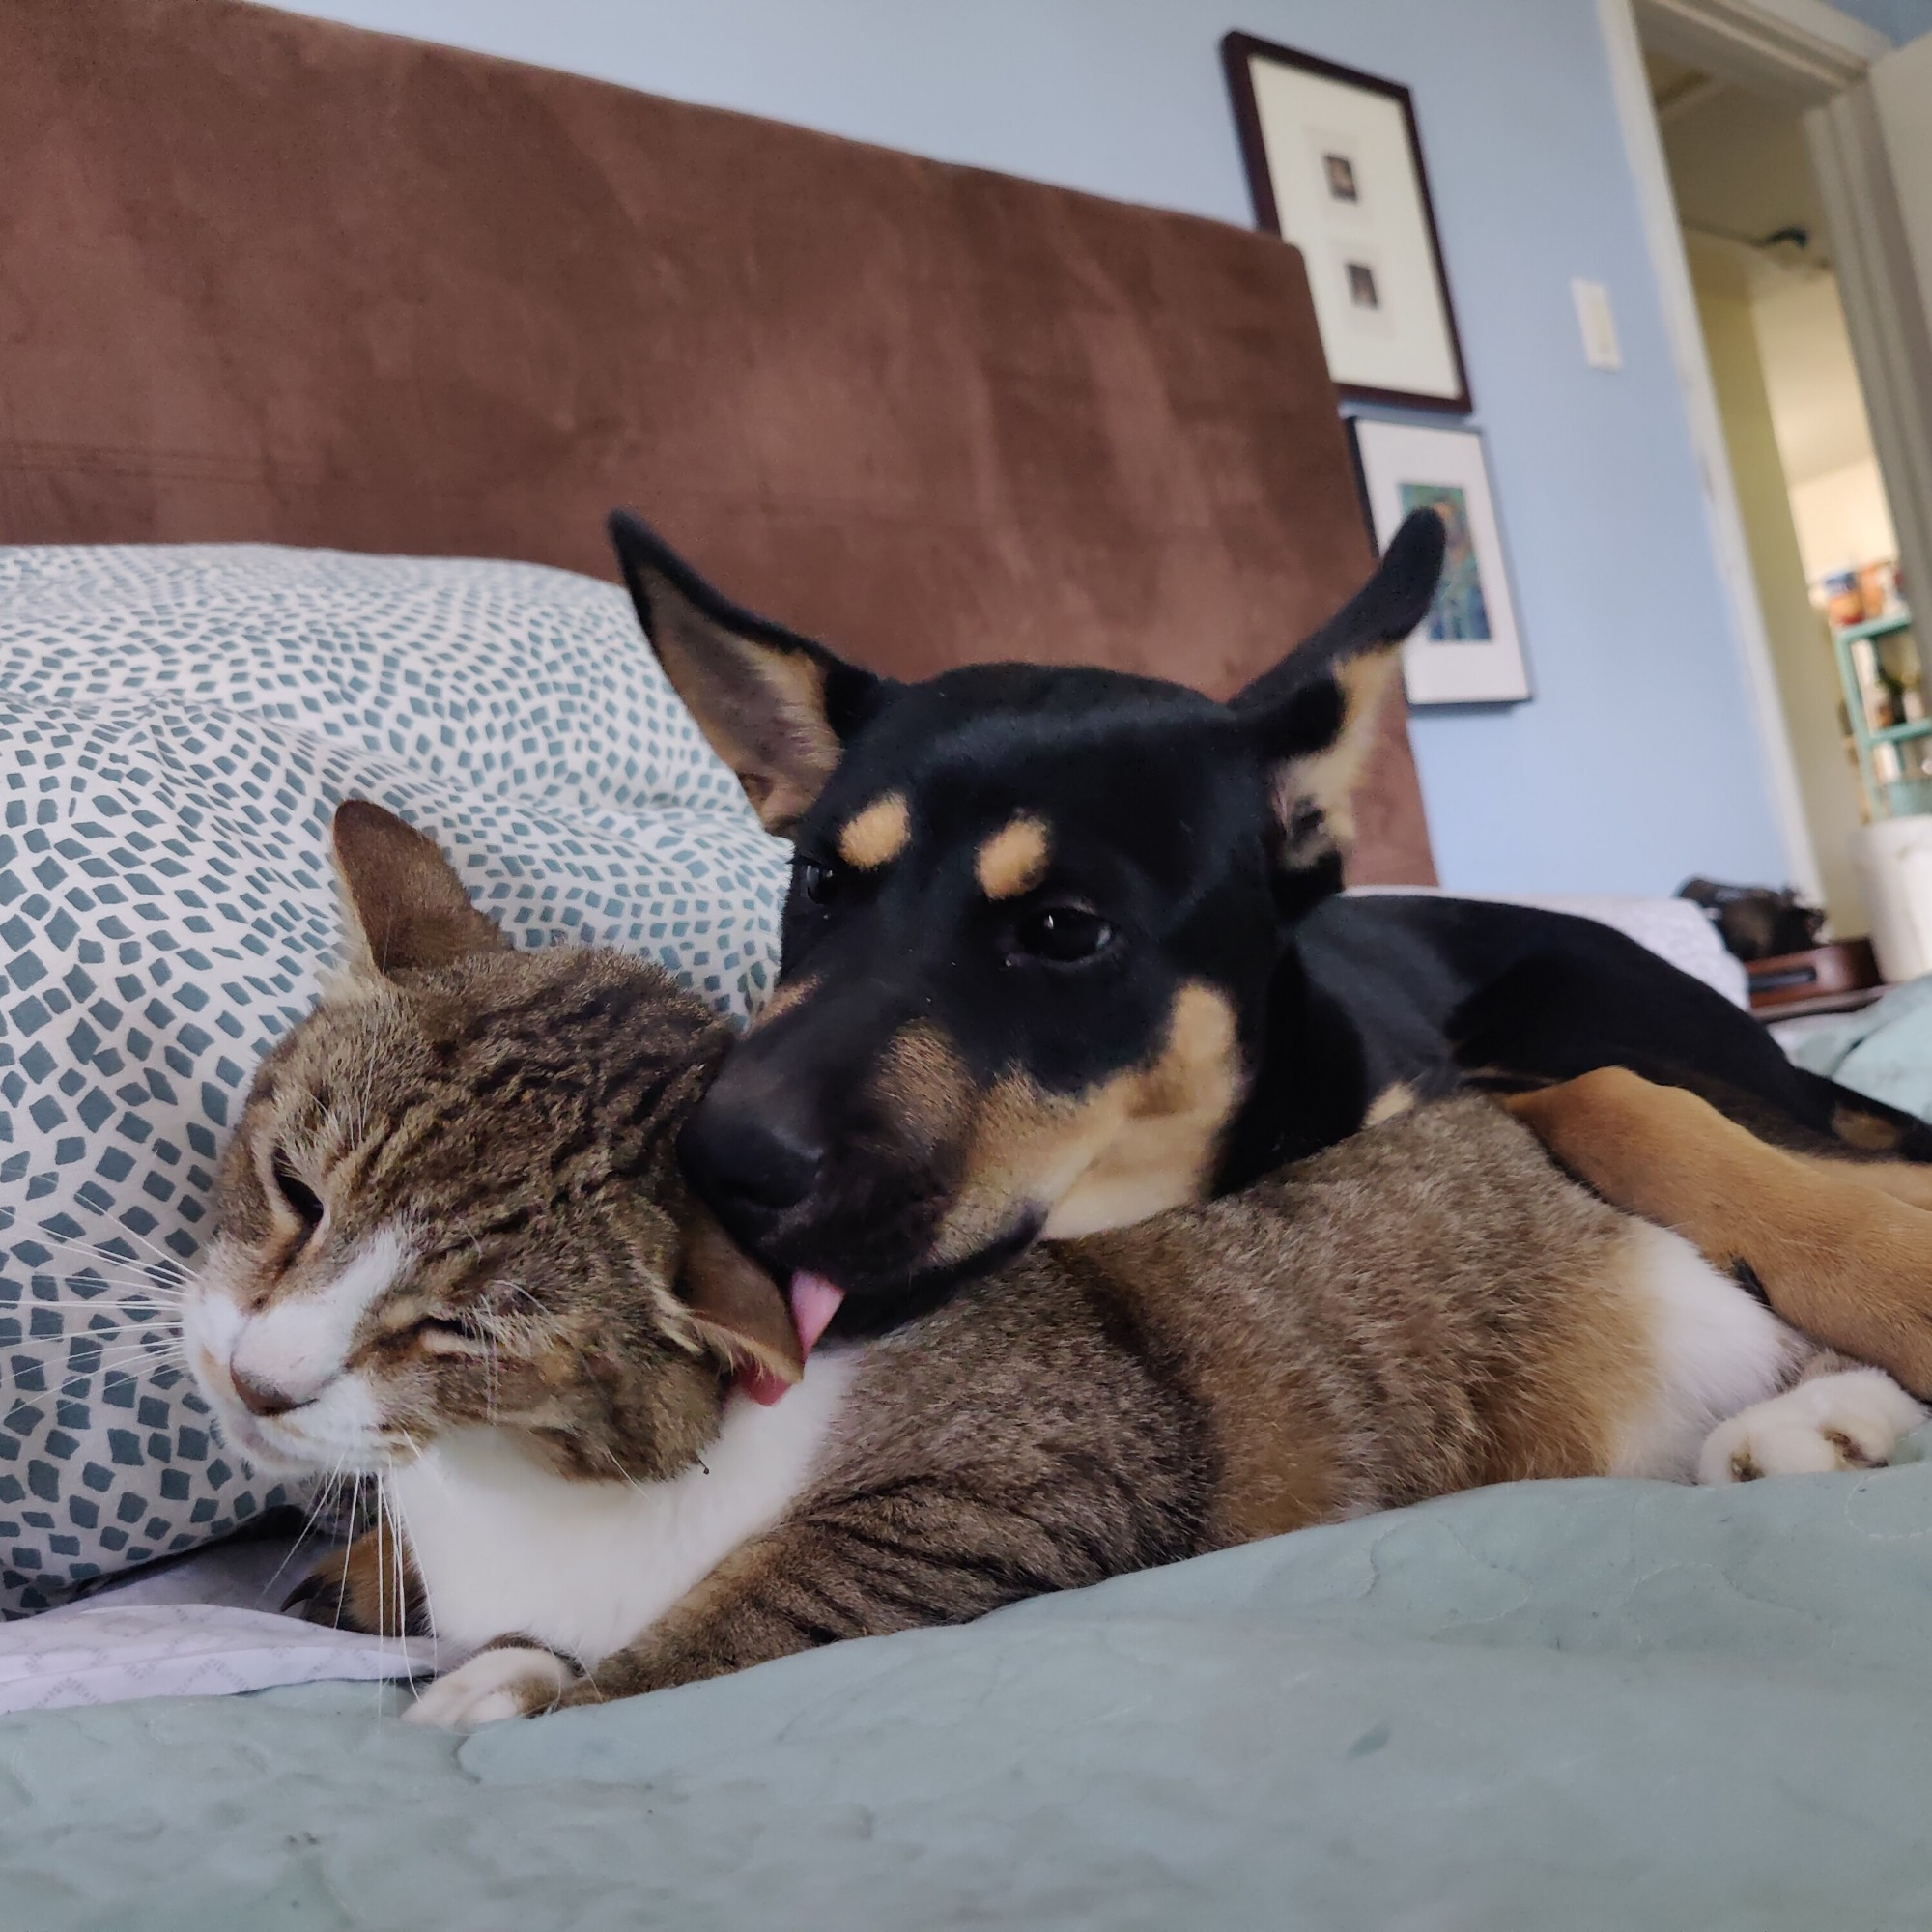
<point>1885,1050</point>
<point>1580,1705</point>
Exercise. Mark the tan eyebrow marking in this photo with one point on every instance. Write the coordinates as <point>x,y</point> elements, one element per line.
<point>877,835</point>
<point>1013,860</point>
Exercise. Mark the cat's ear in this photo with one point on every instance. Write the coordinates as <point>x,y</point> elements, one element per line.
<point>1313,719</point>
<point>739,1311</point>
<point>402,902</point>
<point>776,707</point>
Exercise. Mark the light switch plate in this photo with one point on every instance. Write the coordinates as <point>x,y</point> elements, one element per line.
<point>1601,348</point>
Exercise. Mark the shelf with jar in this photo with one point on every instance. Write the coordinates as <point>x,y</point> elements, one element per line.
<point>1882,677</point>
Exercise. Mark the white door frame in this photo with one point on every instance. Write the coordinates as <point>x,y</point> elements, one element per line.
<point>1820,60</point>
<point>1665,235</point>
<point>1796,50</point>
<point>1809,54</point>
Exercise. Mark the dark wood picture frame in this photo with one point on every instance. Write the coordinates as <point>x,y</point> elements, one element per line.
<point>1237,52</point>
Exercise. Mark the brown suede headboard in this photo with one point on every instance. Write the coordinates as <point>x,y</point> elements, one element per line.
<point>262,278</point>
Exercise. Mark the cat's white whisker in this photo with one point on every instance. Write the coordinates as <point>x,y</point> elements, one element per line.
<point>154,1336</point>
<point>125,1308</point>
<point>125,1305</point>
<point>121,1231</point>
<point>99,1255</point>
<point>310,1521</point>
<point>139,1358</point>
<point>421,1460</point>
<point>113,1295</point>
<point>162,1257</point>
<point>624,1472</point>
<point>381,1567</point>
<point>349,1546</point>
<point>103,1260</point>
<point>395,1503</point>
<point>491,1376</point>
<point>399,1554</point>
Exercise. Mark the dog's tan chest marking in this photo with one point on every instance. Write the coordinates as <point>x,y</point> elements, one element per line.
<point>877,835</point>
<point>1013,860</point>
<point>1125,1149</point>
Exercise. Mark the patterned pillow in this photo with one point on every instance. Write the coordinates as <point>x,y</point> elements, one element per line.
<point>175,727</point>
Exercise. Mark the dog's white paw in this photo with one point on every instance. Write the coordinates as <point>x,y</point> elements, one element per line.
<point>511,1680</point>
<point>1849,1421</point>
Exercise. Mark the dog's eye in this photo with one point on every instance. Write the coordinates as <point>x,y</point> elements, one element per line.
<point>819,881</point>
<point>297,1196</point>
<point>1062,935</point>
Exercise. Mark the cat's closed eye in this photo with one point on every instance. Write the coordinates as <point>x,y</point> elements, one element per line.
<point>297,1196</point>
<point>447,1334</point>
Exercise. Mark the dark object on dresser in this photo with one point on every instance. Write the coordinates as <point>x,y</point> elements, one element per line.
<point>1756,922</point>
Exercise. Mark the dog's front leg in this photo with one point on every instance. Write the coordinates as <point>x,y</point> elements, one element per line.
<point>1840,1249</point>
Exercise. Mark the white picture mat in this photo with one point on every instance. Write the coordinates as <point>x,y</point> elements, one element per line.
<point>1393,454</point>
<point>1406,343</point>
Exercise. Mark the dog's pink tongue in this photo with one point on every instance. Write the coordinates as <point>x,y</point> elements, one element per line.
<point>814,1301</point>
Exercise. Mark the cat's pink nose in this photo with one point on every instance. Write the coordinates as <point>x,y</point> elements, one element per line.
<point>261,1398</point>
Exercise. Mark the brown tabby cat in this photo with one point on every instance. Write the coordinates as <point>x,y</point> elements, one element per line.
<point>453,1248</point>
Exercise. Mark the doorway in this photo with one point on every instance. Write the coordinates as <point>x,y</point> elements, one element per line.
<point>1818,527</point>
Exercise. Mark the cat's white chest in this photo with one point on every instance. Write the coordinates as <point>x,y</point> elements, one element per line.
<point>506,1547</point>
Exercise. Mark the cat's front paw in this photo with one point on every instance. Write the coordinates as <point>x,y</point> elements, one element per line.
<point>1850,1421</point>
<point>361,1587</point>
<point>507,1681</point>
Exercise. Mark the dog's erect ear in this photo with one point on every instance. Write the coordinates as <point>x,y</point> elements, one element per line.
<point>739,1311</point>
<point>1313,716</point>
<point>402,902</point>
<point>776,707</point>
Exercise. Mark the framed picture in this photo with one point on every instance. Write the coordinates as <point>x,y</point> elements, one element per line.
<point>1335,167</point>
<point>1467,650</point>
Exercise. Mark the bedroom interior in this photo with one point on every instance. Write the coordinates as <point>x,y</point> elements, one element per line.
<point>333,332</point>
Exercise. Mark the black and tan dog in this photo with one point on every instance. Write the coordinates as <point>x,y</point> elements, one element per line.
<point>1065,948</point>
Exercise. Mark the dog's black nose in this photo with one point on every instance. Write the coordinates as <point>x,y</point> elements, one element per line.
<point>747,1157</point>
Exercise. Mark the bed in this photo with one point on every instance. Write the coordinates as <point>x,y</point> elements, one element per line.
<point>353,308</point>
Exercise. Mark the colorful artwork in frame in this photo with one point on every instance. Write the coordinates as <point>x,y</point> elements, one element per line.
<point>1468,649</point>
<point>1460,614</point>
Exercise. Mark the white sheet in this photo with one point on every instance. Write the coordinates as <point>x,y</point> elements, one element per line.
<point>198,1628</point>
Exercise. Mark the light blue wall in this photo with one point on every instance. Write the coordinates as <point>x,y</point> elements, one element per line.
<point>1635,765</point>
<point>1902,20</point>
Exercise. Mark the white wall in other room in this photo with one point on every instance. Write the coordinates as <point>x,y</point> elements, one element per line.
<point>1843,520</point>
